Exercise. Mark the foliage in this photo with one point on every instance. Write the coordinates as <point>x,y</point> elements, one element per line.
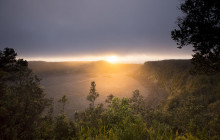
<point>21,100</point>
<point>191,110</point>
<point>109,98</point>
<point>200,27</point>
<point>137,102</point>
<point>120,120</point>
<point>187,108</point>
<point>46,125</point>
<point>116,122</point>
<point>93,94</point>
<point>64,128</point>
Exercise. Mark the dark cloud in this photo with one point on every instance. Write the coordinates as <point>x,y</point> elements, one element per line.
<point>70,27</point>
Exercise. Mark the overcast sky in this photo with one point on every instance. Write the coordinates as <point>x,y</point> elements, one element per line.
<point>74,28</point>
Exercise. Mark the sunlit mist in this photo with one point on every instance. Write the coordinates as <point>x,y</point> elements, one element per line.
<point>132,58</point>
<point>112,59</point>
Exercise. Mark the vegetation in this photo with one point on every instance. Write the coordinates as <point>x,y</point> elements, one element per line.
<point>93,94</point>
<point>200,27</point>
<point>190,111</point>
<point>191,103</point>
<point>21,98</point>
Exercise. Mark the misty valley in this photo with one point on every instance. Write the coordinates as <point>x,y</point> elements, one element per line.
<point>87,100</point>
<point>73,80</point>
<point>109,70</point>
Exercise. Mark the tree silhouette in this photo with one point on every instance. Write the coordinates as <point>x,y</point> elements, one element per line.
<point>200,28</point>
<point>109,98</point>
<point>21,98</point>
<point>93,94</point>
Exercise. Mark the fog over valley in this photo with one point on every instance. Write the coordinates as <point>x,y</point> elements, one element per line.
<point>73,80</point>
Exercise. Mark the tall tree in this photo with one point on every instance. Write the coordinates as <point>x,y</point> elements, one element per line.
<point>200,27</point>
<point>93,94</point>
<point>21,98</point>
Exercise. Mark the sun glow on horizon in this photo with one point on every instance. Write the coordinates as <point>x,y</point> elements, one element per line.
<point>132,58</point>
<point>112,59</point>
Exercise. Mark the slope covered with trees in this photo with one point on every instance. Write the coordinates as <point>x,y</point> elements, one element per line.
<point>192,101</point>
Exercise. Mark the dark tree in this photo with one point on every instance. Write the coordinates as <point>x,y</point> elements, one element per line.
<point>109,98</point>
<point>200,28</point>
<point>93,94</point>
<point>21,98</point>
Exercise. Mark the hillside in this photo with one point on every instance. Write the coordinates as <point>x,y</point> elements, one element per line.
<point>192,102</point>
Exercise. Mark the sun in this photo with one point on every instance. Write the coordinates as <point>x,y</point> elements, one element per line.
<point>112,59</point>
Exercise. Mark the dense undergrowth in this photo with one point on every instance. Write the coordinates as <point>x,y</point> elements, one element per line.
<point>122,120</point>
